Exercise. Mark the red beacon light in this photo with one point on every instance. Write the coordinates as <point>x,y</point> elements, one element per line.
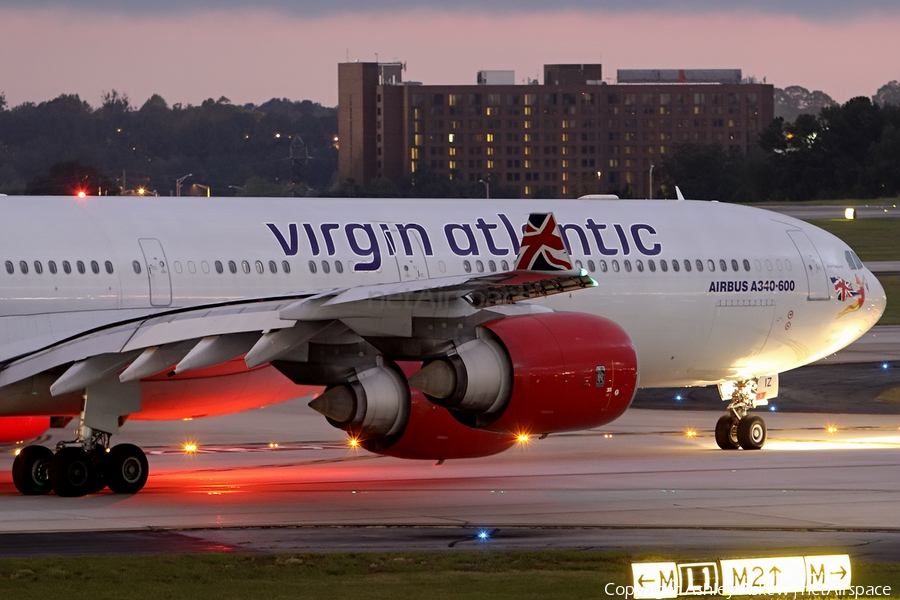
<point>82,194</point>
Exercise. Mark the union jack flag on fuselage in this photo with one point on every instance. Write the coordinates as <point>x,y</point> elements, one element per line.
<point>542,247</point>
<point>843,289</point>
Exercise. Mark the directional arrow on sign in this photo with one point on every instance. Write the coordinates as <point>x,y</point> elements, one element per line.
<point>642,580</point>
<point>843,572</point>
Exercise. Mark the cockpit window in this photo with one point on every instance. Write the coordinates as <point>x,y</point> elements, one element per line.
<point>859,264</point>
<point>850,262</point>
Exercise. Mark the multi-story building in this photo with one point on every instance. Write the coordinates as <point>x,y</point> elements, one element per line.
<point>574,134</point>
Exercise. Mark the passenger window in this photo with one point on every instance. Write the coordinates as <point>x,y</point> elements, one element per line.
<point>109,267</point>
<point>259,267</point>
<point>603,265</point>
<point>80,266</point>
<point>177,266</point>
<point>38,267</point>
<point>779,265</point>
<point>10,268</point>
<point>652,265</point>
<point>699,266</point>
<point>95,267</point>
<point>723,265</point>
<point>479,266</point>
<point>136,266</point>
<point>326,268</point>
<point>219,268</point>
<point>663,265</point>
<point>627,265</point>
<point>245,266</point>
<point>467,266</point>
<point>687,265</point>
<point>312,266</point>
<point>338,266</point>
<point>615,266</point>
<point>273,268</point>
<point>675,266</point>
<point>768,265</point>
<point>591,266</point>
<point>285,266</point>
<point>232,266</point>
<point>746,265</point>
<point>67,268</point>
<point>492,266</point>
<point>504,265</point>
<point>734,265</point>
<point>640,265</point>
<point>787,264</point>
<point>23,266</point>
<point>192,268</point>
<point>52,266</point>
<point>204,266</point>
<point>711,264</point>
<point>579,265</point>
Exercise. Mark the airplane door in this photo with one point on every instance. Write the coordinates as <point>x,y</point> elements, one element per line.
<point>815,271</point>
<point>157,271</point>
<point>407,249</point>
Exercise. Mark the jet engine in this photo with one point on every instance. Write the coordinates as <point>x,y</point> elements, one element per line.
<point>536,374</point>
<point>386,417</point>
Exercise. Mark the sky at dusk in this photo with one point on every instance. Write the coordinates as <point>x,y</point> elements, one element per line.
<point>190,50</point>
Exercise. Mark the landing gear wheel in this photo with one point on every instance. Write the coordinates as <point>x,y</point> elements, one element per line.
<point>70,472</point>
<point>125,469</point>
<point>97,483</point>
<point>751,433</point>
<point>30,470</point>
<point>726,433</point>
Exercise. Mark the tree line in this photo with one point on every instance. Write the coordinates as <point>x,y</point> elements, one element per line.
<point>814,149</point>
<point>846,151</point>
<point>277,148</point>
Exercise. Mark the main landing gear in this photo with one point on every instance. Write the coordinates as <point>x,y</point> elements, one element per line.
<point>80,467</point>
<point>737,429</point>
<point>88,464</point>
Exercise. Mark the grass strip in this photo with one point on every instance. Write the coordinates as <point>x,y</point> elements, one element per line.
<point>872,239</point>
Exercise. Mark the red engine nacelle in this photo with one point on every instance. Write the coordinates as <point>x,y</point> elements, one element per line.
<point>536,374</point>
<point>19,429</point>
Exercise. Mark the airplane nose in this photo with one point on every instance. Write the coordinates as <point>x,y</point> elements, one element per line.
<point>876,299</point>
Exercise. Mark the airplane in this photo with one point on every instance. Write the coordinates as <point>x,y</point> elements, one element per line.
<point>425,329</point>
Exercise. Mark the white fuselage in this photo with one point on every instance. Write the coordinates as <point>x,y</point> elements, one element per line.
<point>782,306</point>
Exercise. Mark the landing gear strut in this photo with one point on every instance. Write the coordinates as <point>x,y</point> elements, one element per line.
<point>737,429</point>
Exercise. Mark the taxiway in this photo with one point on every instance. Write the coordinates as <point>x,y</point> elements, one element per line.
<point>643,483</point>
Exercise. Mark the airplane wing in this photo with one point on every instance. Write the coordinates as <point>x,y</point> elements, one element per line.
<point>267,329</point>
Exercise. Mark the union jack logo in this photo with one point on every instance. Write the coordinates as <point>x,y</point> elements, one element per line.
<point>843,289</point>
<point>542,246</point>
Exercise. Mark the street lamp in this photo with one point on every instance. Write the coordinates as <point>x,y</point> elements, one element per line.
<point>178,183</point>
<point>206,187</point>
<point>651,182</point>
<point>487,189</point>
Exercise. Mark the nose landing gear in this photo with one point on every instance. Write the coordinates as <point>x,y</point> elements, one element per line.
<point>737,429</point>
